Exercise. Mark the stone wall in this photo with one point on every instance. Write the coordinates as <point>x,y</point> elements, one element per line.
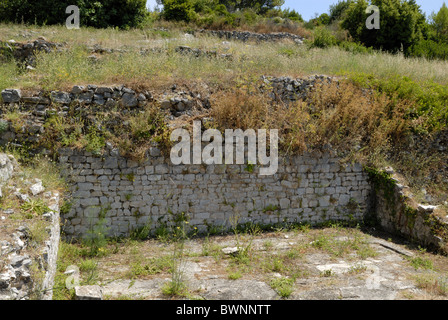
<point>308,188</point>
<point>397,212</point>
<point>253,36</point>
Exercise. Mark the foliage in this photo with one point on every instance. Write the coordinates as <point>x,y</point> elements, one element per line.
<point>429,49</point>
<point>34,207</point>
<point>96,237</point>
<point>440,23</point>
<point>338,10</point>
<point>323,38</point>
<point>99,13</point>
<point>354,47</point>
<point>402,24</point>
<point>430,98</point>
<point>322,20</point>
<point>259,6</point>
<point>178,10</point>
<point>283,286</point>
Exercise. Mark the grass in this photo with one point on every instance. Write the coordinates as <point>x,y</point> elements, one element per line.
<point>72,67</point>
<point>283,286</point>
<point>434,284</point>
<point>145,267</point>
<point>235,275</point>
<point>355,243</point>
<point>34,207</point>
<point>421,263</point>
<point>38,232</point>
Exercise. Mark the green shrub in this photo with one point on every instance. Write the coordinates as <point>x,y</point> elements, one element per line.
<point>283,286</point>
<point>354,47</point>
<point>429,49</point>
<point>430,98</point>
<point>178,10</point>
<point>323,38</point>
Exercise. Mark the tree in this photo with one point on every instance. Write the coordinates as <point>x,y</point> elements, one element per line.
<point>440,23</point>
<point>292,15</point>
<point>402,24</point>
<point>337,10</point>
<point>178,10</point>
<point>259,6</point>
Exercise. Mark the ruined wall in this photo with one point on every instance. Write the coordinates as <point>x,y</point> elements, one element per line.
<point>253,36</point>
<point>397,212</point>
<point>308,188</point>
<point>27,264</point>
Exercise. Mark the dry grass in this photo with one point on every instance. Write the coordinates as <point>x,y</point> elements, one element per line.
<point>327,118</point>
<point>61,70</point>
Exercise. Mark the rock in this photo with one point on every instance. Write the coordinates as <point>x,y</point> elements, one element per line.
<point>36,100</point>
<point>37,188</point>
<point>11,95</point>
<point>98,99</point>
<point>17,261</point>
<point>85,97</point>
<point>5,279</point>
<point>138,288</point>
<point>102,90</point>
<point>23,197</point>
<point>93,292</point>
<point>127,90</point>
<point>141,97</point>
<point>165,104</point>
<point>154,152</point>
<point>389,170</point>
<point>129,100</point>
<point>180,106</point>
<point>6,167</point>
<point>77,89</point>
<point>223,289</point>
<point>230,250</point>
<point>427,209</point>
<point>60,97</point>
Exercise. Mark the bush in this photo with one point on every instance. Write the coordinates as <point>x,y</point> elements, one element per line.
<point>178,10</point>
<point>429,49</point>
<point>354,47</point>
<point>428,100</point>
<point>323,38</point>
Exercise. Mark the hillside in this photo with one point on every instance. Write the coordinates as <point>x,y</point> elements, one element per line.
<point>102,104</point>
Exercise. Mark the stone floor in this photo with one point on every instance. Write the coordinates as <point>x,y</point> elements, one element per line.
<point>324,264</point>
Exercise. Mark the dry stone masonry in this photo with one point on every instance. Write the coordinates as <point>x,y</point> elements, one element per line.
<point>253,36</point>
<point>25,53</point>
<point>306,188</point>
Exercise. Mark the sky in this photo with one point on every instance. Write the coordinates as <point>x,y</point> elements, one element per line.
<point>308,8</point>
